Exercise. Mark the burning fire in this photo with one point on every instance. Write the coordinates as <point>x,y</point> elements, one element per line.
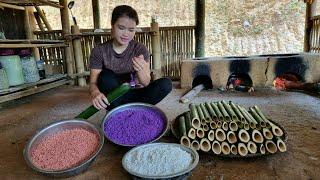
<point>279,83</point>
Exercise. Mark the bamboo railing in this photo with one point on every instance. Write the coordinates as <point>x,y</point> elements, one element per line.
<point>315,35</point>
<point>177,43</point>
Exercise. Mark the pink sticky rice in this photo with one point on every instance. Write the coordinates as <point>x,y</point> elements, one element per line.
<point>65,149</point>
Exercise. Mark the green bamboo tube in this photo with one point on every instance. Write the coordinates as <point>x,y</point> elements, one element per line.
<point>257,136</point>
<point>216,147</point>
<point>231,137</point>
<point>224,112</point>
<point>257,117</point>
<point>200,113</point>
<point>195,120</point>
<point>220,135</point>
<point>213,125</point>
<point>252,147</point>
<point>205,113</point>
<point>225,126</point>
<point>246,126</point>
<point>233,126</point>
<point>271,147</point>
<point>184,140</point>
<point>200,133</point>
<point>211,111</point>
<point>242,149</point>
<point>225,148</point>
<point>267,133</point>
<point>195,145</point>
<point>217,111</point>
<point>243,136</point>
<point>187,117</point>
<point>281,145</point>
<point>219,124</point>
<point>192,133</point>
<point>247,115</point>
<point>211,135</point>
<point>275,129</point>
<point>262,149</point>
<point>237,111</point>
<point>240,124</point>
<point>230,111</point>
<point>259,112</point>
<point>205,145</point>
<point>182,126</point>
<point>233,149</point>
<point>205,127</point>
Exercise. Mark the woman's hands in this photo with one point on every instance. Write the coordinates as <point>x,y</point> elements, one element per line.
<point>143,69</point>
<point>99,100</point>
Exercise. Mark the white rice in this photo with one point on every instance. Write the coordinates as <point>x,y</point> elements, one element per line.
<point>160,160</point>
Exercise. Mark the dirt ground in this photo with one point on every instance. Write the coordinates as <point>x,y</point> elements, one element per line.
<point>298,113</point>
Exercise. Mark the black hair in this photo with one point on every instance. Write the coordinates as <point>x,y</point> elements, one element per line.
<point>124,11</point>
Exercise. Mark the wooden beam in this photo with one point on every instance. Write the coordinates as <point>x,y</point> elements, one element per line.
<point>39,22</point>
<point>96,14</point>
<point>11,6</point>
<point>43,17</point>
<point>200,28</point>
<point>25,45</point>
<point>50,3</point>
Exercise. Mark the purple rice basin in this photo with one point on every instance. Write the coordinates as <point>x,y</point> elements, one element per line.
<point>134,124</point>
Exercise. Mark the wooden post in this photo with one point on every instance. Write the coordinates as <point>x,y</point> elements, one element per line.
<point>78,54</point>
<point>96,14</point>
<point>200,28</point>
<point>43,17</point>
<point>310,11</point>
<point>29,23</point>
<point>156,51</point>
<point>65,33</point>
<point>39,22</point>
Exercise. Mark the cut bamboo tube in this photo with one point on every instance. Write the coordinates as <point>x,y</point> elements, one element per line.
<point>195,145</point>
<point>200,133</point>
<point>205,145</point>
<point>242,149</point>
<point>185,141</point>
<point>224,112</point>
<point>240,124</point>
<point>267,133</point>
<point>225,148</point>
<point>205,113</point>
<point>219,124</point>
<point>191,94</point>
<point>192,133</point>
<point>220,135</point>
<point>200,113</point>
<point>259,112</point>
<point>211,111</point>
<point>182,126</point>
<point>246,126</point>
<point>195,120</point>
<point>205,127</point>
<point>257,136</point>
<point>243,136</point>
<point>187,117</point>
<point>257,117</point>
<point>233,149</point>
<point>237,111</point>
<point>275,129</point>
<point>247,115</point>
<point>281,145</point>
<point>225,126</point>
<point>233,126</point>
<point>231,137</point>
<point>213,125</point>
<point>211,135</point>
<point>216,147</point>
<point>271,147</point>
<point>217,111</point>
<point>262,149</point>
<point>230,111</point>
<point>252,147</point>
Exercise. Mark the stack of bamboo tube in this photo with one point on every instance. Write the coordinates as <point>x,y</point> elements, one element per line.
<point>227,128</point>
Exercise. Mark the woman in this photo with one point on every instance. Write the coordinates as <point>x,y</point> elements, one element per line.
<point>120,60</point>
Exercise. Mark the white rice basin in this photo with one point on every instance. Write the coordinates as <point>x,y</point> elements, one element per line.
<point>160,160</point>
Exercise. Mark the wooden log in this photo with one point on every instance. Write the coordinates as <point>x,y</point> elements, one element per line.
<point>200,28</point>
<point>43,17</point>
<point>191,94</point>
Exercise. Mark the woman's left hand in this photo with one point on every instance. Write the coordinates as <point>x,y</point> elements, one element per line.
<point>143,69</point>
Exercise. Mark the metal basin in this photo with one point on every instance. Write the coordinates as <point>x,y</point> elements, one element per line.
<point>54,128</point>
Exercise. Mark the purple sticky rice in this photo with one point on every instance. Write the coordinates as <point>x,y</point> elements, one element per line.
<point>134,126</point>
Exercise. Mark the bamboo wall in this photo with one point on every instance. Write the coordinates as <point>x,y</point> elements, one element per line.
<point>177,43</point>
<point>315,35</point>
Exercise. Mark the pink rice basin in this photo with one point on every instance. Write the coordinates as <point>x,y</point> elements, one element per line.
<point>64,149</point>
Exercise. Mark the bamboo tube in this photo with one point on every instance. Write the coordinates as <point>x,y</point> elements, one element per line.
<point>262,149</point>
<point>252,147</point>
<point>225,126</point>
<point>225,148</point>
<point>240,124</point>
<point>205,145</point>
<point>237,111</point>
<point>182,126</point>
<point>200,113</point>
<point>231,137</point>
<point>267,133</point>
<point>185,141</point>
<point>187,117</point>
<point>243,136</point>
<point>205,127</point>
<point>210,135</point>
<point>192,133</point>
<point>233,149</point>
<point>224,112</point>
<point>257,117</point>
<point>246,126</point>
<point>216,147</point>
<point>281,145</point>
<point>213,125</point>
<point>271,147</point>
<point>205,113</point>
<point>217,111</point>
<point>259,112</point>
<point>211,111</point>
<point>195,120</point>
<point>219,124</point>
<point>230,111</point>
<point>220,135</point>
<point>242,149</point>
<point>200,133</point>
<point>247,115</point>
<point>233,126</point>
<point>195,145</point>
<point>257,136</point>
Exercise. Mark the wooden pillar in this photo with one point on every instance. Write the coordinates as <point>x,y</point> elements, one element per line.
<point>65,33</point>
<point>156,51</point>
<point>310,11</point>
<point>96,14</point>
<point>39,22</point>
<point>29,24</point>
<point>78,55</point>
<point>200,28</point>
<point>43,17</point>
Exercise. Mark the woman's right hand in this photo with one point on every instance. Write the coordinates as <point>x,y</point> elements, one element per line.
<point>99,100</point>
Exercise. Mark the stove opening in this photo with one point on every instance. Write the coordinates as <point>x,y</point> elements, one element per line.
<point>240,82</point>
<point>286,80</point>
<point>202,79</point>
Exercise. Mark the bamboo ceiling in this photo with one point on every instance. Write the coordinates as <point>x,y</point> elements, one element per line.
<point>32,2</point>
